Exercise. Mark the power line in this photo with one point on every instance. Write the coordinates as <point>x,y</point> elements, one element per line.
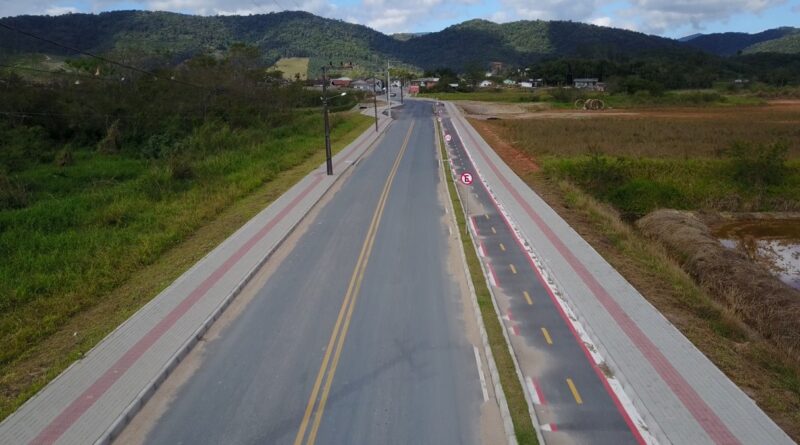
<point>86,53</point>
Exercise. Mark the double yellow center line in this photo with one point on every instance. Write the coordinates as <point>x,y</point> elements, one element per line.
<point>317,400</point>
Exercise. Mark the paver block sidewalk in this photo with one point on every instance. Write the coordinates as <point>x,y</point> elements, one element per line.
<point>683,397</point>
<point>93,399</point>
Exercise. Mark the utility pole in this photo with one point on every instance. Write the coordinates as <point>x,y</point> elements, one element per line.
<point>388,89</point>
<point>328,155</point>
<point>375,99</point>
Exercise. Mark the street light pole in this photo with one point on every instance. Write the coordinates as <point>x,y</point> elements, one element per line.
<point>389,89</point>
<point>328,155</point>
<point>375,99</point>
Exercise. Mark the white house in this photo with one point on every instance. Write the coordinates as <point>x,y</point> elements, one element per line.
<point>486,84</point>
<point>526,84</point>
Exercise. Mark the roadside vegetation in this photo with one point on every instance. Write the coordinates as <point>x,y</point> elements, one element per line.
<point>100,178</point>
<point>603,173</point>
<point>512,388</point>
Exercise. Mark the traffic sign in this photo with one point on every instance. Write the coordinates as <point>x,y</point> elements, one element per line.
<point>466,178</point>
<point>448,138</point>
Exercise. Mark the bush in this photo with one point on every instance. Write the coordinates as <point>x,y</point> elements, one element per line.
<point>112,141</point>
<point>12,194</point>
<point>758,165</point>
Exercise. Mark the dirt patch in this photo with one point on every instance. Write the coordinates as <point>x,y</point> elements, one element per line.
<point>764,302</point>
<point>524,162</point>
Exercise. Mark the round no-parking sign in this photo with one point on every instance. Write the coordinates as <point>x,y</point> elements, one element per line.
<point>466,178</point>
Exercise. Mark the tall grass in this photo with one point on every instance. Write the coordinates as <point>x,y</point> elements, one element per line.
<point>88,226</point>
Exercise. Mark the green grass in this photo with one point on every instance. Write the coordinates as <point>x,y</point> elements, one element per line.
<point>90,226</point>
<point>637,186</point>
<point>290,66</point>
<point>504,95</point>
<point>565,98</point>
<point>46,356</point>
<point>517,406</point>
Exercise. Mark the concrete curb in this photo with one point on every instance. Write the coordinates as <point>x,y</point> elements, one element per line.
<point>128,414</point>
<point>19,428</point>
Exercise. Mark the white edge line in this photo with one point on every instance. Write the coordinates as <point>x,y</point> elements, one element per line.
<point>480,374</point>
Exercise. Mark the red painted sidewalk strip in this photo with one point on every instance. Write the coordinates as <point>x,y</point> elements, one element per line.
<point>702,413</point>
<point>80,405</point>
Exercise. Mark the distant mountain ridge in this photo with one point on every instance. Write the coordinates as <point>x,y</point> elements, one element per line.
<point>176,37</point>
<point>731,43</point>
<point>301,34</point>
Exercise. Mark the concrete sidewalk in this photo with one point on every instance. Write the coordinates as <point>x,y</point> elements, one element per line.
<point>93,399</point>
<point>681,395</point>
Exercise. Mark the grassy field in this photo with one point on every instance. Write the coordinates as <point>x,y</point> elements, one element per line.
<point>565,98</point>
<point>291,66</point>
<point>601,173</point>
<point>93,235</point>
<point>512,388</point>
<point>723,159</point>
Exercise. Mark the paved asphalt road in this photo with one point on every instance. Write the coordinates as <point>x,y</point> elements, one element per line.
<point>371,269</point>
<point>573,402</point>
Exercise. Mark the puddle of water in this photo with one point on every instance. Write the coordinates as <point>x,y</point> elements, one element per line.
<point>774,243</point>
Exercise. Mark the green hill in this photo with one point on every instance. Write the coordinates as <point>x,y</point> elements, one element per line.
<point>788,44</point>
<point>730,43</point>
<point>139,35</point>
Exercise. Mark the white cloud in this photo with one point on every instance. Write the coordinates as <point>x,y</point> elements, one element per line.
<point>658,16</point>
<point>60,10</point>
<point>553,9</point>
<point>655,16</point>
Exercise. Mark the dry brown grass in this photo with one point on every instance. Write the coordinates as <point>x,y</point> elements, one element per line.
<point>667,133</point>
<point>771,308</point>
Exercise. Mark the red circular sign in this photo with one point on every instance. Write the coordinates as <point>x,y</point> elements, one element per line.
<point>466,178</point>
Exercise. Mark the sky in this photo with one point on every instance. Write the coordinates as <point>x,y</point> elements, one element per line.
<point>669,18</point>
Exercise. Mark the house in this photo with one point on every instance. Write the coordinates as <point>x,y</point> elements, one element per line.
<point>486,84</point>
<point>509,82</point>
<point>496,68</point>
<point>362,85</point>
<point>526,84</point>
<point>375,83</point>
<point>425,82</point>
<point>588,83</point>
<point>342,82</point>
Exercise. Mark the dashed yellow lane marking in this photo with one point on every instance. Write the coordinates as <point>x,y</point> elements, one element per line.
<point>547,336</point>
<point>502,247</point>
<point>494,231</point>
<point>527,297</point>
<point>513,269</point>
<point>575,393</point>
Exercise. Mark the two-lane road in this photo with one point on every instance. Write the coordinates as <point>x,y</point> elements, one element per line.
<point>359,335</point>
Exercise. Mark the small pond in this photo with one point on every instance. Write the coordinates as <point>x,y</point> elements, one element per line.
<point>774,243</point>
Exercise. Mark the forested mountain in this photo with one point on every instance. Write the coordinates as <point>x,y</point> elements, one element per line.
<point>788,44</point>
<point>730,43</point>
<point>174,37</point>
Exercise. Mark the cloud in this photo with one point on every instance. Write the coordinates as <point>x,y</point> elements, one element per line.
<point>552,9</point>
<point>60,10</point>
<point>658,16</point>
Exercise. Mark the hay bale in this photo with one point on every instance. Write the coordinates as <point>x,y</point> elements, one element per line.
<point>762,301</point>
